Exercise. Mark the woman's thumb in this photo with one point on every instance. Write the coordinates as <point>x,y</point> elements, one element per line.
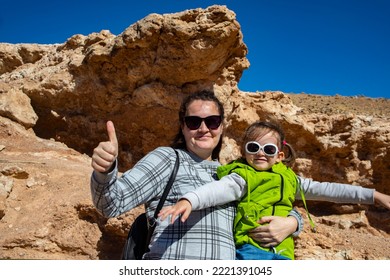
<point>111,133</point>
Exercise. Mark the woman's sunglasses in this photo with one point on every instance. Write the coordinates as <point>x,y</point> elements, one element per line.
<point>194,122</point>
<point>253,148</point>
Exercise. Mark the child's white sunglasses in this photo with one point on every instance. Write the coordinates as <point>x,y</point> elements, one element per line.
<point>269,149</point>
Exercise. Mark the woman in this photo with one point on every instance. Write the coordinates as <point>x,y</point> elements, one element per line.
<point>208,233</point>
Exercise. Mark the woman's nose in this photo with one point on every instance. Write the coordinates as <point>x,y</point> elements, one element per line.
<point>203,126</point>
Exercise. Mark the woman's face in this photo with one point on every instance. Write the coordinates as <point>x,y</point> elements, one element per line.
<point>260,161</point>
<point>203,140</point>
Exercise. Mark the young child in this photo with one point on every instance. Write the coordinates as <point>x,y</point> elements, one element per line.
<point>264,185</point>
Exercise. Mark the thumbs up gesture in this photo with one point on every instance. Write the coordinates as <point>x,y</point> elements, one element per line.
<point>105,153</point>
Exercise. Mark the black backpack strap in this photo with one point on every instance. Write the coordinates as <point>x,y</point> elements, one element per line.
<point>152,221</point>
<point>137,243</point>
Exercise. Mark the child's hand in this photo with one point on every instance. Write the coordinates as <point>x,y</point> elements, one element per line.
<point>382,199</point>
<point>182,207</point>
<point>164,212</point>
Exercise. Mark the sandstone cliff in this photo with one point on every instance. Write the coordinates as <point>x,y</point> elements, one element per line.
<point>55,100</point>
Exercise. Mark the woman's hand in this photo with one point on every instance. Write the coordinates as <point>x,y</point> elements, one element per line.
<point>276,231</point>
<point>182,207</point>
<point>105,153</point>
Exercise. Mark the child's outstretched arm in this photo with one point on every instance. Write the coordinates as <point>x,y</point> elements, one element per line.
<point>182,207</point>
<point>341,193</point>
<point>382,199</point>
<point>228,189</point>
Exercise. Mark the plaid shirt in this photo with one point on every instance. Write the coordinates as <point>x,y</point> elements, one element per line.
<point>206,235</point>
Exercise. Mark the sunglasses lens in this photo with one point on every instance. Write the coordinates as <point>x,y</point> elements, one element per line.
<point>252,147</point>
<point>270,150</point>
<point>213,122</point>
<point>193,122</point>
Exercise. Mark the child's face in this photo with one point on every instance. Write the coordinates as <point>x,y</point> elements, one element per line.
<point>260,161</point>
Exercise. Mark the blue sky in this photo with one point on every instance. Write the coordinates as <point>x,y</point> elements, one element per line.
<point>322,47</point>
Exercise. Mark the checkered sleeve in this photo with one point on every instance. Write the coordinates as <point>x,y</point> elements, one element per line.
<point>113,196</point>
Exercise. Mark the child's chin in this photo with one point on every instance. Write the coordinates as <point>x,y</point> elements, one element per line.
<point>261,168</point>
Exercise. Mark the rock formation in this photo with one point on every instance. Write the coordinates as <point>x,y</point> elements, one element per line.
<point>56,99</point>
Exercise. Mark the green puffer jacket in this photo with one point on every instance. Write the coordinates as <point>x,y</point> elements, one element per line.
<point>270,193</point>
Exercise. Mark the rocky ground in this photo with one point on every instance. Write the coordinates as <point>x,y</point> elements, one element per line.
<point>32,231</point>
<point>360,105</point>
<point>337,238</point>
